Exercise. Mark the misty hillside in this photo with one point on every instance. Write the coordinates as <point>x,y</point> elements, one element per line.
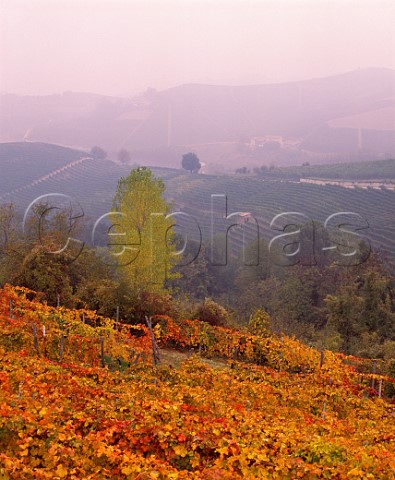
<point>321,119</point>
<point>23,163</point>
<point>30,170</point>
<point>218,113</point>
<point>92,183</point>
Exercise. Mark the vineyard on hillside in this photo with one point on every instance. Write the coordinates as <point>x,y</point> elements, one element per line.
<point>93,182</point>
<point>81,398</point>
<point>21,163</point>
<point>383,170</point>
<point>266,199</point>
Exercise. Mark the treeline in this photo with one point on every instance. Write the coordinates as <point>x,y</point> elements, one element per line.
<point>348,308</point>
<point>345,308</point>
<point>369,170</point>
<point>41,255</point>
<point>38,255</point>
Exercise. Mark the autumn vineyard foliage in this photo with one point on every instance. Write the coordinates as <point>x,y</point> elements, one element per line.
<point>82,399</point>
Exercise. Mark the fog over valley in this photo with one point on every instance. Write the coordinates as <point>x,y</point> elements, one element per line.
<point>240,83</point>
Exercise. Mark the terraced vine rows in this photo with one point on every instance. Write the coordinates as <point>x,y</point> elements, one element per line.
<point>265,199</point>
<point>93,182</point>
<point>21,163</point>
<point>74,417</point>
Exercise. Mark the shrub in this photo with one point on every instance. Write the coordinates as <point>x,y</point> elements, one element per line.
<point>212,313</point>
<point>259,323</point>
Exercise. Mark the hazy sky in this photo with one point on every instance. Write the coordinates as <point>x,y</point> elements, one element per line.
<point>121,46</point>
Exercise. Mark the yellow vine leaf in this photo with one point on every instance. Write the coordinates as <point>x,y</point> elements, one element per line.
<point>180,450</point>
<point>61,471</point>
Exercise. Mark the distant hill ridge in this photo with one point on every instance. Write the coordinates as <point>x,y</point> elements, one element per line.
<point>322,114</point>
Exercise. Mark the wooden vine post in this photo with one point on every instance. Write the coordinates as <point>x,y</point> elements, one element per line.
<point>102,362</point>
<point>45,341</point>
<point>322,358</point>
<point>155,348</point>
<point>374,373</point>
<point>200,339</point>
<point>61,348</point>
<point>36,346</point>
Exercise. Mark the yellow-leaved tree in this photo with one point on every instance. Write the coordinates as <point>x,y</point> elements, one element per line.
<point>141,235</point>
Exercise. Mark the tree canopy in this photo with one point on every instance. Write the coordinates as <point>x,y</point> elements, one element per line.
<point>190,162</point>
<point>98,152</point>
<point>141,236</point>
<point>124,156</point>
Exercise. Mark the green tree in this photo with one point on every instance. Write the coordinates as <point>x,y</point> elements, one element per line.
<point>212,313</point>
<point>124,156</point>
<point>190,162</point>
<point>195,281</point>
<point>13,246</point>
<point>40,258</point>
<point>344,312</point>
<point>361,308</point>
<point>98,152</point>
<point>141,235</point>
<point>47,273</point>
<point>259,323</point>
